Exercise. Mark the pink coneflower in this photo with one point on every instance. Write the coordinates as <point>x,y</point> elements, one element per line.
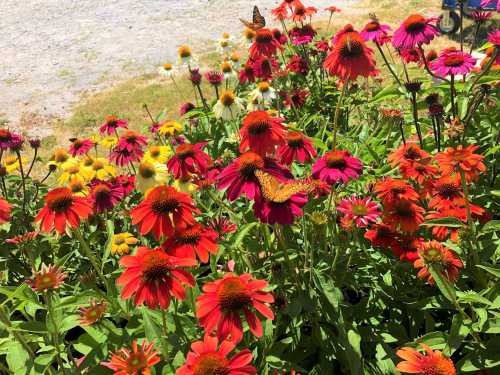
<point>302,35</point>
<point>480,16</point>
<point>279,36</point>
<point>283,213</point>
<point>186,108</point>
<point>222,226</point>
<point>189,159</point>
<point>264,44</point>
<point>410,55</point>
<point>80,147</point>
<point>414,31</point>
<point>452,62</point>
<point>261,133</point>
<point>485,3</point>
<point>239,177</point>
<point>9,140</point>
<point>111,123</point>
<point>297,147</point>
<point>361,211</point>
<point>337,166</point>
<point>132,140</point>
<point>122,156</point>
<point>247,73</point>
<point>214,78</point>
<point>375,31</point>
<point>195,76</point>
<point>126,183</point>
<point>22,238</point>
<point>494,37</point>
<point>264,67</point>
<point>104,195</point>
<point>322,45</point>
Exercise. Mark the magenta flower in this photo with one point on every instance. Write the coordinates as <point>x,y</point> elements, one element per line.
<point>111,123</point>
<point>410,55</point>
<point>280,213</point>
<point>414,31</point>
<point>189,159</point>
<point>80,147</point>
<point>302,35</point>
<point>132,141</point>
<point>375,31</point>
<point>9,140</point>
<point>452,62</point>
<point>494,37</point>
<point>297,147</point>
<point>337,166</point>
<point>361,211</point>
<point>104,195</point>
<point>214,78</point>
<point>126,183</point>
<point>239,176</point>
<point>185,108</point>
<point>122,156</point>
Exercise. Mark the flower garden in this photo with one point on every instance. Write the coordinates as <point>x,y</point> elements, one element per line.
<point>329,205</point>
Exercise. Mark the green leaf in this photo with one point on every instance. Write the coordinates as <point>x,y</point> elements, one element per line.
<point>458,333</point>
<point>386,93</point>
<point>450,222</point>
<point>246,228</point>
<point>495,271</point>
<point>472,297</point>
<point>443,284</point>
<point>17,358</point>
<point>110,229</point>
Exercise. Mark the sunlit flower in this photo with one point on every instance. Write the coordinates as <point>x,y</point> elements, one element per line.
<point>298,65</point>
<point>350,57</point>
<point>431,363</point>
<point>414,31</point>
<point>189,159</point>
<point>166,70</point>
<point>78,187</point>
<point>390,189</point>
<point>185,54</point>
<point>283,213</point>
<point>261,133</point>
<point>11,163</point>
<point>447,262</point>
<point>158,154</point>
<point>300,12</point>
<point>228,107</point>
<point>208,358</point>
<point>301,35</point>
<point>104,196</point>
<point>403,215</point>
<point>191,241</point>
<point>150,174</point>
<point>121,243</point>
<point>170,128</point>
<point>93,313</point>
<point>462,159</point>
<point>60,156</point>
<point>375,31</point>
<point>446,192</point>
<point>337,166</point>
<point>297,148</point>
<point>9,140</point>
<point>5,208</point>
<point>100,169</point>
<point>264,44</point>
<point>453,62</point>
<point>62,207</point>
<point>48,278</point>
<point>72,170</point>
<point>247,36</point>
<point>80,147</point>
<point>227,70</point>
<point>152,277</point>
<point>109,141</point>
<point>185,185</point>
<point>409,152</point>
<point>223,302</point>
<point>264,67</point>
<point>223,46</point>
<point>162,209</point>
<point>361,211</point>
<point>440,232</point>
<point>381,235</point>
<point>263,92</point>
<point>136,362</point>
<point>235,59</point>
<point>111,124</point>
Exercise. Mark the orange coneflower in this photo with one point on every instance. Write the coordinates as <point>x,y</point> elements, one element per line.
<point>191,241</point>
<point>162,209</point>
<point>390,189</point>
<point>223,302</point>
<point>5,209</point>
<point>433,362</point>
<point>93,313</point>
<point>461,159</point>
<point>49,277</point>
<point>153,277</point>
<point>433,252</point>
<point>62,207</point>
<point>403,214</point>
<point>409,152</point>
<point>135,362</point>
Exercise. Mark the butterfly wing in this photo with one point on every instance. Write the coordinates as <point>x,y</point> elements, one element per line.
<point>258,19</point>
<point>247,24</point>
<point>275,191</point>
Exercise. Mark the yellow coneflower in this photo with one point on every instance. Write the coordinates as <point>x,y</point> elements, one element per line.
<point>235,59</point>
<point>78,187</point>
<point>60,156</point>
<point>263,92</point>
<point>150,175</point>
<point>87,161</point>
<point>166,70</point>
<point>227,69</point>
<point>228,107</point>
<point>158,154</point>
<point>121,243</point>
<point>185,54</point>
<point>101,169</point>
<point>223,46</point>
<point>73,170</point>
<point>11,163</point>
<point>170,128</point>
<point>186,186</point>
<point>108,142</point>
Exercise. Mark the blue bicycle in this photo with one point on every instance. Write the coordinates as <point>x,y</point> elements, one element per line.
<point>449,22</point>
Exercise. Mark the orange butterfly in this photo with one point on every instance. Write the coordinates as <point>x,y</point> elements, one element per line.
<point>278,192</point>
<point>258,21</point>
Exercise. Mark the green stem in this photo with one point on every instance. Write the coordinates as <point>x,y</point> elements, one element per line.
<point>55,334</point>
<point>20,338</point>
<point>388,65</point>
<point>337,113</point>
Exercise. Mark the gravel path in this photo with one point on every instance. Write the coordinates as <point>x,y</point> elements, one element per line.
<point>54,50</point>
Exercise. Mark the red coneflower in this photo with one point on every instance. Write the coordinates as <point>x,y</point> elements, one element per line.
<point>381,235</point>
<point>298,65</point>
<point>136,362</point>
<point>153,277</point>
<point>296,99</point>
<point>239,176</point>
<point>93,313</point>
<point>410,55</point>
<point>404,215</point>
<point>247,73</point>
<point>297,147</point>
<point>433,252</point>
<point>127,183</point>
<point>208,358</point>
<point>264,67</point>
<point>414,31</point>
<point>441,233</point>
<point>302,34</point>
<point>189,159</point>
<point>163,209</point>
<point>461,159</point>
<point>104,195</point>
<point>409,152</point>
<point>223,301</point>
<point>300,12</point>
<point>22,238</point>
<point>390,189</point>
<point>132,141</point>
<point>283,213</point>
<point>191,241</point>
<point>62,207</point>
<point>261,133</point>
<point>337,166</point>
<point>419,171</point>
<point>405,247</point>
<point>446,191</point>
<point>264,44</point>
<point>186,108</point>
<point>80,147</point>
<point>49,277</point>
<point>361,211</point>
<point>111,123</point>
<point>122,156</point>
<point>279,36</point>
<point>9,140</point>
<point>350,57</point>
<point>5,209</point>
<point>280,13</point>
<point>432,363</point>
<point>222,226</point>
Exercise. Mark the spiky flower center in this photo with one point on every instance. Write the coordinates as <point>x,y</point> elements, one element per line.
<point>411,153</point>
<point>232,294</point>
<point>211,364</point>
<point>184,151</point>
<point>454,60</point>
<point>111,121</point>
<point>404,209</point>
<point>415,23</point>
<point>249,162</point>
<point>155,266</point>
<point>164,200</point>
<point>226,67</point>
<point>335,160</point>
<point>359,209</point>
<point>264,36</point>
<point>147,170</point>
<point>263,86</point>
<point>184,52</point>
<point>136,361</point>
<point>102,192</point>
<point>448,189</point>
<point>59,200</point>
<point>60,156</point>
<point>351,45</point>
<point>5,135</point>
<point>46,281</point>
<point>227,99</point>
<point>373,26</point>
<point>190,235</point>
<point>295,139</point>
<point>258,125</point>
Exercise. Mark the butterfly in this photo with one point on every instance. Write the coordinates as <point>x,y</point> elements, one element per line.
<point>373,17</point>
<point>258,21</point>
<point>279,192</point>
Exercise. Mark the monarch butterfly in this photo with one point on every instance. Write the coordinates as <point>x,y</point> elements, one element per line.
<point>278,192</point>
<point>258,21</point>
